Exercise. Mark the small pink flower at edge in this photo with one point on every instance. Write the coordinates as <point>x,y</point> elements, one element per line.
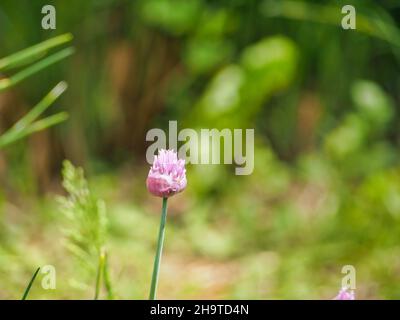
<point>345,294</point>
<point>167,176</point>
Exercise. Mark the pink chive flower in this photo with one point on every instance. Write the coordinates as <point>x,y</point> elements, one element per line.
<point>167,176</point>
<point>345,294</point>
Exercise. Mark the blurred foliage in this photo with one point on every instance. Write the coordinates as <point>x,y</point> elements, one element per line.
<point>87,231</point>
<point>325,191</point>
<point>87,216</point>
<point>26,125</point>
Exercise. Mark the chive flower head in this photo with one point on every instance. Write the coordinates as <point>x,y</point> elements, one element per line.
<point>167,175</point>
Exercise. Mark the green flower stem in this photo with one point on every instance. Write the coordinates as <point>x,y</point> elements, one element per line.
<point>157,260</point>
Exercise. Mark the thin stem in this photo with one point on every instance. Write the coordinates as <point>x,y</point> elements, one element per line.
<point>100,272</point>
<point>107,280</point>
<point>28,288</point>
<point>157,260</point>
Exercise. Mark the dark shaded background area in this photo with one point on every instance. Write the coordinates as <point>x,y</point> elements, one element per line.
<point>324,102</point>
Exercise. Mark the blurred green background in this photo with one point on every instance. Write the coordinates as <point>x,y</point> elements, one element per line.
<point>325,191</point>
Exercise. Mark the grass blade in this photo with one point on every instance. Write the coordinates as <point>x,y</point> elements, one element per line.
<point>379,27</point>
<point>42,106</point>
<point>107,279</point>
<point>28,288</point>
<point>25,126</point>
<point>32,53</point>
<point>46,123</point>
<point>35,127</point>
<point>100,273</point>
<point>38,66</point>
